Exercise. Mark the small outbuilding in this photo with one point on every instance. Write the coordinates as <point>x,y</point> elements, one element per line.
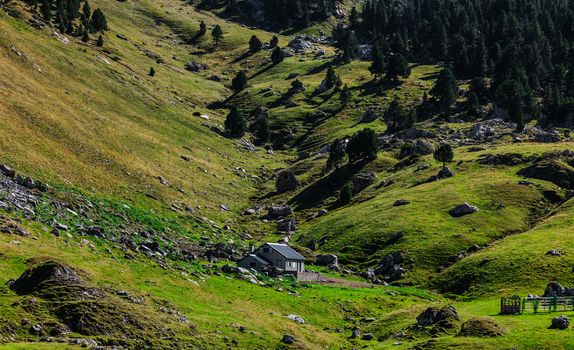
<point>276,255</point>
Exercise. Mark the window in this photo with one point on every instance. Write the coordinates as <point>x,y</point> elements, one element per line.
<point>253,264</point>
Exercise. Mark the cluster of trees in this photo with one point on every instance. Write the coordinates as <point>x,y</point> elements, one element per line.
<point>276,13</point>
<point>72,17</point>
<point>362,146</point>
<point>517,52</point>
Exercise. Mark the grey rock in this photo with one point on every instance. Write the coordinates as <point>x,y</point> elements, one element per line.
<point>278,211</point>
<point>327,259</point>
<point>433,315</point>
<point>286,181</point>
<point>356,333</point>
<point>553,252</point>
<point>288,339</point>
<point>401,202</point>
<point>370,115</point>
<point>287,225</point>
<point>363,180</point>
<point>296,319</point>
<point>445,173</point>
<point>7,171</point>
<point>195,67</point>
<point>368,336</point>
<point>462,210</point>
<point>560,322</point>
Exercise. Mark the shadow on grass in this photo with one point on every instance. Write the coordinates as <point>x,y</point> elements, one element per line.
<point>314,194</point>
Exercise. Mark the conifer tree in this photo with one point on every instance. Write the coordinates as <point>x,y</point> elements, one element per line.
<point>274,41</point>
<point>217,34</point>
<point>336,154</point>
<point>255,44</point>
<point>235,123</point>
<point>377,67</point>
<point>152,72</point>
<point>398,67</point>
<point>445,89</point>
<point>239,83</point>
<point>277,56</point>
<point>100,41</point>
<point>444,154</point>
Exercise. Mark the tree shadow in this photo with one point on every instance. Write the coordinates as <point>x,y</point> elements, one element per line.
<point>314,194</point>
<point>243,56</point>
<point>264,70</point>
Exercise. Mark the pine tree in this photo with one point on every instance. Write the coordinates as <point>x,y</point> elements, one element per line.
<point>274,41</point>
<point>86,11</point>
<point>255,44</point>
<point>217,34</point>
<point>277,56</point>
<point>202,29</point>
<point>346,95</point>
<point>98,22</point>
<point>444,154</point>
<point>46,10</point>
<point>336,154</point>
<point>239,83</point>
<point>152,72</point>
<point>331,78</point>
<point>235,123</point>
<point>346,194</point>
<point>377,67</point>
<point>263,133</point>
<point>445,89</point>
<point>363,145</point>
<point>394,116</point>
<point>398,67</point>
<point>85,36</point>
<point>100,41</point>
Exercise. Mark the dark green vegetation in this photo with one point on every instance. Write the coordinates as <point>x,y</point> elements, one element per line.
<point>164,132</point>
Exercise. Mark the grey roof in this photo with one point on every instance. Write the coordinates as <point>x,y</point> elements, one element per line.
<point>286,251</point>
<point>260,259</point>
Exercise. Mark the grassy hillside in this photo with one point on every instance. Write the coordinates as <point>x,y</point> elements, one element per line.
<point>129,152</point>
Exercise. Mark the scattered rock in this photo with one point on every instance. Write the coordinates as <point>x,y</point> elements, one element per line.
<point>195,67</point>
<point>553,252</point>
<point>434,315</point>
<point>462,210</point>
<point>401,202</point>
<point>287,225</point>
<point>445,173</point>
<point>390,267</point>
<point>286,181</point>
<point>420,147</point>
<point>279,211</point>
<point>7,171</point>
<point>363,180</point>
<point>296,319</point>
<point>288,339</point>
<point>356,333</point>
<point>327,259</point>
<point>370,115</point>
<point>560,322</point>
<point>368,336</point>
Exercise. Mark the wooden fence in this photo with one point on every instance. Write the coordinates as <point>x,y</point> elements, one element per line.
<point>309,276</point>
<point>516,305</point>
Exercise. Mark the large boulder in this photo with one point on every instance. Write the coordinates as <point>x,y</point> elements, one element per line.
<point>445,173</point>
<point>7,171</point>
<point>370,115</point>
<point>363,180</point>
<point>390,267</point>
<point>279,211</point>
<point>301,44</point>
<point>45,275</point>
<point>327,259</point>
<point>286,181</point>
<point>195,67</point>
<point>554,289</point>
<point>434,315</point>
<point>560,322</point>
<point>287,225</point>
<point>462,210</point>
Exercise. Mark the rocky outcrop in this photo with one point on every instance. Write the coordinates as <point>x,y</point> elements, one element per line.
<point>279,211</point>
<point>553,170</point>
<point>390,267</point>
